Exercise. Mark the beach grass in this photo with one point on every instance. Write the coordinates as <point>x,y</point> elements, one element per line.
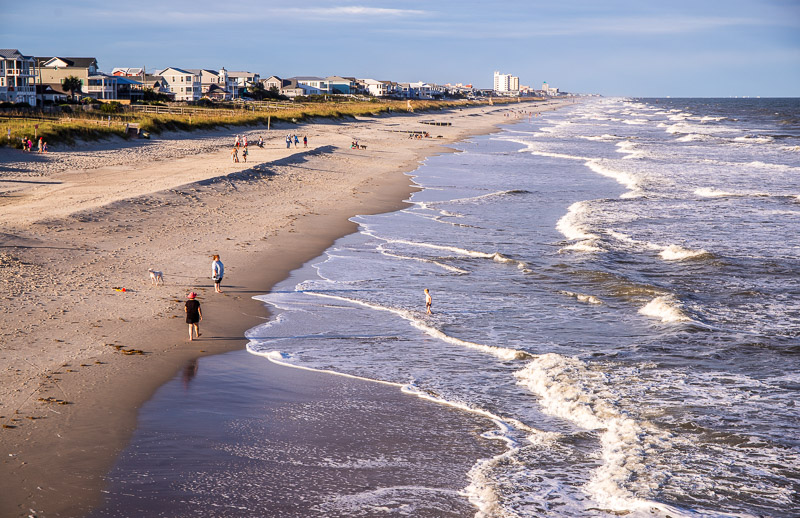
<point>68,128</point>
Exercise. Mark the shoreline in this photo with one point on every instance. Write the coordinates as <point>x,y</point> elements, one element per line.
<point>65,264</point>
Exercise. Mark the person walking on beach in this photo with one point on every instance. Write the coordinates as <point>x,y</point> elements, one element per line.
<point>296,141</point>
<point>236,142</point>
<point>244,153</point>
<point>288,141</point>
<point>305,140</point>
<point>217,271</point>
<point>244,141</point>
<point>235,154</point>
<point>260,141</point>
<point>40,144</point>
<point>193,315</point>
<point>428,302</point>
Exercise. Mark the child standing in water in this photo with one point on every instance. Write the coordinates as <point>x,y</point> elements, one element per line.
<point>428,302</point>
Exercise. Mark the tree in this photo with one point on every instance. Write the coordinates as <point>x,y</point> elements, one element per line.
<point>72,84</point>
<point>256,91</point>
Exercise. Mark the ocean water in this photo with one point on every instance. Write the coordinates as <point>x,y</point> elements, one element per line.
<point>616,289</point>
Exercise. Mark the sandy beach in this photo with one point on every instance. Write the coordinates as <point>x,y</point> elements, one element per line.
<point>79,356</point>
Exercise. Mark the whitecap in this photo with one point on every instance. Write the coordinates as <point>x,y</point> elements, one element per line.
<point>678,253</point>
<point>667,308</point>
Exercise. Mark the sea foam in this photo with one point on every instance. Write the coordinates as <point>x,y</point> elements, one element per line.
<point>667,308</point>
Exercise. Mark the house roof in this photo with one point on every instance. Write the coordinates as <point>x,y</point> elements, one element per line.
<point>199,71</point>
<point>13,54</point>
<point>242,74</point>
<point>309,78</point>
<point>216,89</point>
<point>134,71</point>
<point>51,88</point>
<point>71,62</point>
<point>122,80</point>
<point>178,70</point>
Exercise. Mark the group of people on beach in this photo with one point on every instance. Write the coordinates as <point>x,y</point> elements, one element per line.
<point>192,307</point>
<point>240,143</point>
<point>294,138</point>
<point>27,145</point>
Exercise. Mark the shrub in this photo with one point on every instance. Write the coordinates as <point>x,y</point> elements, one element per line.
<point>112,107</point>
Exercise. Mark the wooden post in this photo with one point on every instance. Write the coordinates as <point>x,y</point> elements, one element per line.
<point>269,119</point>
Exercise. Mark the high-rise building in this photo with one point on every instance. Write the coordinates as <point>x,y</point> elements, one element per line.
<point>505,83</point>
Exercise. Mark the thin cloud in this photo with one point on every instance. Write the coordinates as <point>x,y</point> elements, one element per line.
<point>182,18</point>
<point>606,26</point>
<point>357,10</point>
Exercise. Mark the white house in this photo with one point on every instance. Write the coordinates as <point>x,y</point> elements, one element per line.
<point>292,88</point>
<point>318,83</point>
<point>185,85</point>
<point>241,80</point>
<point>17,77</point>
<point>376,88</point>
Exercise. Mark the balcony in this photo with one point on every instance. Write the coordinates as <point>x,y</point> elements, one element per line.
<point>19,72</point>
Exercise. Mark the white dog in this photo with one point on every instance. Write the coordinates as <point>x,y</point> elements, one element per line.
<point>156,277</point>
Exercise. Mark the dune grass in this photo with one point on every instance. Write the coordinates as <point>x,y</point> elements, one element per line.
<point>68,128</point>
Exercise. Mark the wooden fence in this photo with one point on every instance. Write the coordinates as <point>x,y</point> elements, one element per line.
<point>192,110</point>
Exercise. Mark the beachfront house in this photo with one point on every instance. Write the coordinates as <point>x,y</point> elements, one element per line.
<point>17,77</point>
<point>49,94</point>
<point>54,70</point>
<point>319,84</point>
<point>183,84</point>
<point>215,84</point>
<point>127,72</point>
<point>273,82</point>
<point>292,88</point>
<point>157,84</point>
<point>240,81</point>
<point>418,90</point>
<point>341,85</point>
<point>376,88</point>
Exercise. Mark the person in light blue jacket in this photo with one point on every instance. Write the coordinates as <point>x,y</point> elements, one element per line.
<point>217,271</point>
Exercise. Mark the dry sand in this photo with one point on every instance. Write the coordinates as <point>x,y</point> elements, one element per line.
<point>77,357</point>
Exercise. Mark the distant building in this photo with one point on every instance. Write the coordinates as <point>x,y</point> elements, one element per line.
<point>183,84</point>
<point>318,83</point>
<point>379,88</point>
<point>293,88</point>
<point>341,85</point>
<point>157,84</point>
<point>127,72</point>
<point>54,70</point>
<point>273,82</point>
<point>506,84</point>
<point>239,81</point>
<point>51,94</point>
<point>215,84</point>
<point>549,90</point>
<point>17,77</point>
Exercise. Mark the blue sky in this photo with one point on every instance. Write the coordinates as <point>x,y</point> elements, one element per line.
<point>698,48</point>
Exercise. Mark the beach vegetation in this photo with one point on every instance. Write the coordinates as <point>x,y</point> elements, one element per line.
<point>72,84</point>
<point>111,119</point>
